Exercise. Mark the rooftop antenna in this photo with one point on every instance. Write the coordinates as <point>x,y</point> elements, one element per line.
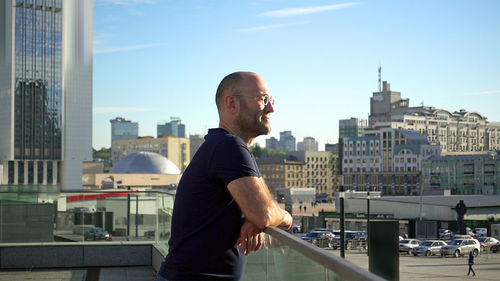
<point>379,78</point>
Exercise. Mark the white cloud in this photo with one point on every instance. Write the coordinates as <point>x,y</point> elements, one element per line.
<point>292,12</point>
<point>482,93</point>
<point>105,50</point>
<point>112,109</point>
<point>272,26</point>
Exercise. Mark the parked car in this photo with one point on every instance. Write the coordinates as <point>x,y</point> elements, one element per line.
<point>321,229</point>
<point>96,233</point>
<point>320,238</point>
<point>480,232</point>
<point>487,242</point>
<point>428,248</point>
<point>461,236</point>
<point>149,234</point>
<point>352,239</point>
<point>361,235</point>
<point>445,233</point>
<point>460,247</point>
<point>406,245</point>
<point>495,248</point>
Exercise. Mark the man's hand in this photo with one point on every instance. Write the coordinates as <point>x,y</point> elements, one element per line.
<point>287,221</point>
<point>250,238</point>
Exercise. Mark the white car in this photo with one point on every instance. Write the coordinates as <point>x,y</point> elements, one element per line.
<point>406,245</point>
<point>487,242</point>
<point>460,247</point>
<point>481,232</point>
<point>428,248</point>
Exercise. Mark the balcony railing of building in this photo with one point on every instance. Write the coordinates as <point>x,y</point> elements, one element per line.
<point>132,228</point>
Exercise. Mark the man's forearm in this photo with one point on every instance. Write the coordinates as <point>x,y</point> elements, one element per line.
<point>256,202</point>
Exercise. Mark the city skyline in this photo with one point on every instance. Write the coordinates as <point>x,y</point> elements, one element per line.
<point>155,59</point>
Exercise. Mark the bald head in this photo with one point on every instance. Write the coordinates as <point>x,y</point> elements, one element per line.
<point>230,85</point>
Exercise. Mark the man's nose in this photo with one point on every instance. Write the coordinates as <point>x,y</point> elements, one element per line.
<point>269,107</point>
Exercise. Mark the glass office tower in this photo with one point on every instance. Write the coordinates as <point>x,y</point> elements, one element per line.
<point>45,91</point>
<point>122,129</point>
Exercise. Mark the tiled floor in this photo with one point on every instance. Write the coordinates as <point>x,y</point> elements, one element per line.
<point>127,274</point>
<point>145,273</point>
<point>43,275</point>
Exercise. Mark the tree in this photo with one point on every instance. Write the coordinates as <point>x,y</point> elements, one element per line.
<point>258,151</point>
<point>103,153</point>
<point>334,163</point>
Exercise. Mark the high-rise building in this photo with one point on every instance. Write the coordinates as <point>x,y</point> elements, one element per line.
<point>350,128</point>
<point>173,128</point>
<point>45,91</point>
<point>308,144</point>
<point>195,141</point>
<point>272,143</point>
<point>287,141</point>
<point>122,129</point>
<point>333,147</point>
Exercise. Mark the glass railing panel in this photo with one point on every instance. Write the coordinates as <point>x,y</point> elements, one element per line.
<point>28,215</point>
<point>281,262</point>
<point>165,203</point>
<point>98,216</point>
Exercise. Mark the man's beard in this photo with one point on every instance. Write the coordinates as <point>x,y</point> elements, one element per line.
<point>250,123</point>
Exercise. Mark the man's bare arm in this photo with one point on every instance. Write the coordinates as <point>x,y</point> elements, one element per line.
<point>257,204</point>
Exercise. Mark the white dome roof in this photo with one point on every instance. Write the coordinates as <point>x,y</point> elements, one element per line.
<point>145,163</point>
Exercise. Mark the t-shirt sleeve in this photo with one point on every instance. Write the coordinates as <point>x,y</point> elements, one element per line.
<point>232,160</point>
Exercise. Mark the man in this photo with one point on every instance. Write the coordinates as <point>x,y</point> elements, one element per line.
<point>471,263</point>
<point>210,237</point>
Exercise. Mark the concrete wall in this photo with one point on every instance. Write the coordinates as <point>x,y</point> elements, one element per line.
<point>64,255</point>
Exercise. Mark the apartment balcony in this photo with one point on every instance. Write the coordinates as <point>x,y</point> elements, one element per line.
<point>122,235</point>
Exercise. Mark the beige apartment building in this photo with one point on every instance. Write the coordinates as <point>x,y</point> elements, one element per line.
<point>279,172</point>
<point>319,170</point>
<point>458,131</point>
<point>174,149</point>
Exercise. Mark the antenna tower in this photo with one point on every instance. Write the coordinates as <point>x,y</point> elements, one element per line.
<point>379,78</point>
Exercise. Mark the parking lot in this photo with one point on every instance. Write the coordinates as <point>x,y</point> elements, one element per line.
<point>487,266</point>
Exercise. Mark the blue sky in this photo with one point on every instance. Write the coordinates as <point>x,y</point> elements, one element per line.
<point>154,59</point>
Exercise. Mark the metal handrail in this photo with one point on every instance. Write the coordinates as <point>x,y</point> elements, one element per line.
<point>340,266</point>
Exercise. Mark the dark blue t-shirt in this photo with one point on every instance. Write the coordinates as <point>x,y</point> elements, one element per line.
<point>206,221</point>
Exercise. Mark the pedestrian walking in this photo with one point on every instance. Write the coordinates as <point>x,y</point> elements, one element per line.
<point>471,262</point>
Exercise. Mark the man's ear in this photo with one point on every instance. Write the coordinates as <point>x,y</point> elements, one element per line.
<point>231,103</point>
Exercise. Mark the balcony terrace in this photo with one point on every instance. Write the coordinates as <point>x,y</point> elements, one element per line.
<point>59,236</point>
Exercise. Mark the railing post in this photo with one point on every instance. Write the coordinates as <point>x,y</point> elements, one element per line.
<point>342,225</point>
<point>136,215</point>
<point>128,212</point>
<point>367,221</point>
